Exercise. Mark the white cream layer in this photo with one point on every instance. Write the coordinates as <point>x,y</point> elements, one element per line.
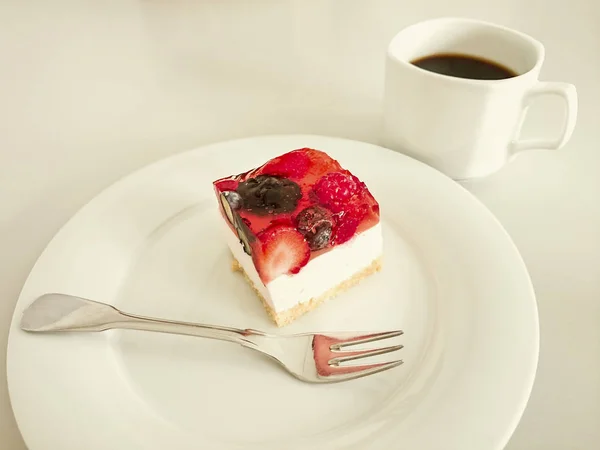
<point>319,275</point>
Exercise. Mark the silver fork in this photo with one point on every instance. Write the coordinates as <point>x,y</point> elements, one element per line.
<point>310,357</point>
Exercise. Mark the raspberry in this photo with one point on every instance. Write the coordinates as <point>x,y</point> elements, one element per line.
<point>345,230</point>
<point>348,222</point>
<point>293,164</point>
<point>335,189</point>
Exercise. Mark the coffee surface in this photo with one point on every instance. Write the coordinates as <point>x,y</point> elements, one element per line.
<point>464,66</point>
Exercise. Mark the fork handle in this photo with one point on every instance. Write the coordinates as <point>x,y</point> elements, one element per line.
<point>141,323</point>
<point>62,312</point>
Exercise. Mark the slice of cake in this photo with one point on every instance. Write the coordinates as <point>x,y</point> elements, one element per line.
<point>301,228</point>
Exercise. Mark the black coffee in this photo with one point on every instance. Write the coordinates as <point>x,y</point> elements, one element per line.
<point>464,66</point>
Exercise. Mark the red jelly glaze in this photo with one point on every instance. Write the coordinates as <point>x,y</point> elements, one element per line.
<point>323,182</point>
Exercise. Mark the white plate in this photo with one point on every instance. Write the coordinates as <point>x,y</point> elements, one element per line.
<point>452,279</point>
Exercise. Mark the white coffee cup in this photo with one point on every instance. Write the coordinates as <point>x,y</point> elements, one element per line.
<point>464,127</point>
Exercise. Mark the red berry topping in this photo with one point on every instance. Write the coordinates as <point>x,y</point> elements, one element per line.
<point>348,221</point>
<point>335,189</point>
<point>293,164</point>
<point>345,230</point>
<point>300,202</point>
<point>282,250</point>
<point>316,224</point>
<point>321,162</point>
<point>226,185</point>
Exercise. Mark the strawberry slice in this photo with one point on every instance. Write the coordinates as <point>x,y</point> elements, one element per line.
<point>321,162</point>
<point>281,249</point>
<point>293,164</point>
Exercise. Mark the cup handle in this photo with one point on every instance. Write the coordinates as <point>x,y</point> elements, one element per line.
<point>569,94</point>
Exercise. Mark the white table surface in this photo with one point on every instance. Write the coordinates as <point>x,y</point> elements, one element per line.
<point>90,91</point>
